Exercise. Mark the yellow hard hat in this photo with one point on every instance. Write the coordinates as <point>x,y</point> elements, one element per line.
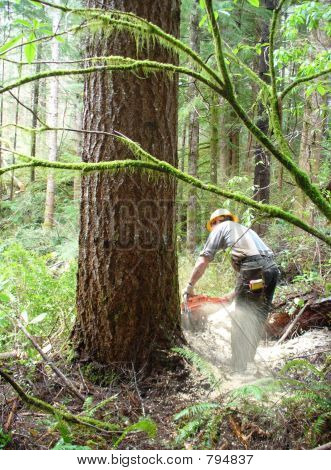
<point>220,213</point>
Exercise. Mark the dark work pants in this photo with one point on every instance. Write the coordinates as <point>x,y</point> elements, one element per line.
<point>251,310</point>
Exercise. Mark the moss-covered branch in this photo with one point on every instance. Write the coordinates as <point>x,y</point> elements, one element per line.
<point>58,412</point>
<point>301,177</point>
<point>218,47</point>
<point>308,78</point>
<point>116,64</point>
<point>151,163</point>
<point>281,151</point>
<point>254,76</point>
<point>272,72</point>
<point>131,22</point>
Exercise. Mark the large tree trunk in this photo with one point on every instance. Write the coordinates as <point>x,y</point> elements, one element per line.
<point>53,122</point>
<point>127,293</point>
<point>262,157</point>
<point>193,144</point>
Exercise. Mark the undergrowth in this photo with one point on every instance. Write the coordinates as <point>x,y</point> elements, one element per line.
<point>290,410</point>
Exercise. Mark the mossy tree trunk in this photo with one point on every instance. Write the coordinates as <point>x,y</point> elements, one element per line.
<point>193,144</point>
<point>127,294</point>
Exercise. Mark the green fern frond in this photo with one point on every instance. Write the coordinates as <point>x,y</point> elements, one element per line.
<point>203,366</point>
<point>188,430</point>
<point>145,425</point>
<point>196,409</point>
<point>300,364</point>
<point>319,425</point>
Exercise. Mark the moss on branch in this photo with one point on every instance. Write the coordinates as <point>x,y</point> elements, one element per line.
<point>224,87</point>
<point>308,78</point>
<point>57,412</point>
<point>150,163</point>
<point>125,64</point>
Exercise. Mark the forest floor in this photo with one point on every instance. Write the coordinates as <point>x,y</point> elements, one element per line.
<point>160,397</point>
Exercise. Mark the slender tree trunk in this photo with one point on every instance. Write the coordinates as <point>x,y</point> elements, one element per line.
<point>127,294</point>
<point>224,172</point>
<point>234,156</point>
<point>79,146</point>
<point>193,137</point>
<point>214,138</point>
<point>12,180</point>
<point>214,142</point>
<point>262,157</point>
<point>311,139</point>
<point>53,122</point>
<point>1,121</point>
<point>35,104</point>
<point>181,209</point>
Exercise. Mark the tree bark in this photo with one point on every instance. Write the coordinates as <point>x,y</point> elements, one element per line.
<point>53,122</point>
<point>127,294</point>
<point>193,155</point>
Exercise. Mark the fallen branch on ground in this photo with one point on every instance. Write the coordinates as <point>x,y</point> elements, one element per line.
<point>58,413</point>
<point>51,364</point>
<point>292,325</point>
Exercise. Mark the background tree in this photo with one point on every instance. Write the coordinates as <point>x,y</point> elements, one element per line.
<point>53,111</point>
<point>193,134</point>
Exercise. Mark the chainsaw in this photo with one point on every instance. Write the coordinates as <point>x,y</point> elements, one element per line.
<point>197,308</point>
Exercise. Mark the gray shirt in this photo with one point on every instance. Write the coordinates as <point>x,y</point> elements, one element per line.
<point>242,241</point>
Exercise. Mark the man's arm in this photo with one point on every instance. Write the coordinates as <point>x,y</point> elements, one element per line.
<point>197,273</point>
<point>199,269</point>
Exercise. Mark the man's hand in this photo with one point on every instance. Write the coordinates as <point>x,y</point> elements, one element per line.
<point>189,290</point>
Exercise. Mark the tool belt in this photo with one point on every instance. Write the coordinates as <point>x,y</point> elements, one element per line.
<point>252,272</point>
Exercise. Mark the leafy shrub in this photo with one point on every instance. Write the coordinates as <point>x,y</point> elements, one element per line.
<point>31,287</point>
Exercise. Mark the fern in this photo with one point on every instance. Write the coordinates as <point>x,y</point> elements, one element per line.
<point>144,425</point>
<point>196,409</point>
<point>203,366</point>
<point>61,445</point>
<point>188,430</point>
<point>301,364</point>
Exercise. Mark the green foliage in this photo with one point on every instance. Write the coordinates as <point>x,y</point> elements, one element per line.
<point>259,390</point>
<point>195,410</point>
<point>300,392</point>
<point>30,285</point>
<point>145,425</point>
<point>202,418</point>
<point>5,438</point>
<point>203,366</point>
<point>62,445</point>
<point>308,394</point>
